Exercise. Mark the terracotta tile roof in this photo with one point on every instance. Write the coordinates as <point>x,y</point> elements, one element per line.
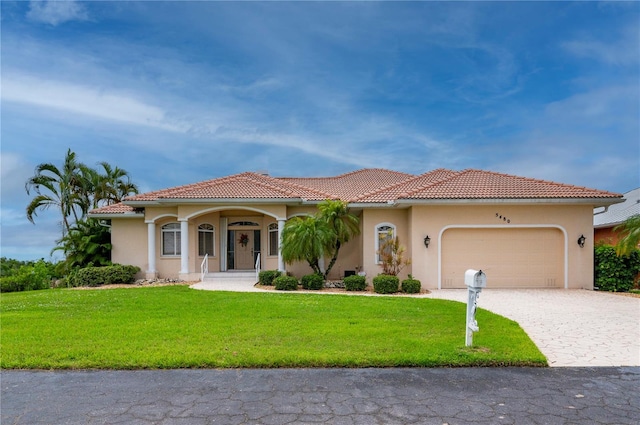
<point>400,189</point>
<point>353,185</point>
<point>238,186</point>
<point>478,184</point>
<point>368,186</point>
<point>114,209</point>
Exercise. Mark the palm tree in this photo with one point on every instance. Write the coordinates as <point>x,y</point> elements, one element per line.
<point>631,239</point>
<point>60,188</point>
<point>304,239</point>
<point>343,224</point>
<point>86,244</point>
<point>114,185</point>
<point>321,235</point>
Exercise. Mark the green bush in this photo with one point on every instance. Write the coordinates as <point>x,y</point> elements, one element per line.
<point>28,278</point>
<point>386,284</point>
<point>286,283</point>
<point>411,285</point>
<point>108,275</point>
<point>266,277</point>
<point>355,283</point>
<point>615,273</point>
<point>312,281</point>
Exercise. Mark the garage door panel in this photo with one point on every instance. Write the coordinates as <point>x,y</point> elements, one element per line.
<point>512,258</point>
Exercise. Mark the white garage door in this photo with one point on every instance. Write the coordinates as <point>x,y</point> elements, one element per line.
<point>511,257</point>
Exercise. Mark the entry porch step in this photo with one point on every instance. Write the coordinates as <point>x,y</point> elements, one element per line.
<point>231,276</point>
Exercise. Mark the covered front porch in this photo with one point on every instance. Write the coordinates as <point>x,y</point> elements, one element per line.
<point>192,243</point>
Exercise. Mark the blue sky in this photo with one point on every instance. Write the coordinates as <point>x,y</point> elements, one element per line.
<point>178,92</point>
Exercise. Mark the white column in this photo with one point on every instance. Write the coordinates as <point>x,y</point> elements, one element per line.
<point>223,244</point>
<point>280,260</point>
<point>151,247</point>
<point>184,246</point>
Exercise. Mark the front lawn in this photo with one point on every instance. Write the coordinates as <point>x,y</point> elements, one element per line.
<point>177,327</point>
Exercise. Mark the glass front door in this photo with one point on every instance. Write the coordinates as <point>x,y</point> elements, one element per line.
<point>243,248</point>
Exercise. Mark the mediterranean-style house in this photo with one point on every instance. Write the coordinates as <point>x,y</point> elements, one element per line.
<point>522,232</point>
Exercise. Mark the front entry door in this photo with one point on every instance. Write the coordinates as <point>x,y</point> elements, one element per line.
<point>244,250</point>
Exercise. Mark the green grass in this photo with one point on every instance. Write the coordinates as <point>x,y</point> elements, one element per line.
<point>177,327</point>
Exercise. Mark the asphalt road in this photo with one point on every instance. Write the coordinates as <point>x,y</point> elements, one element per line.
<point>324,396</point>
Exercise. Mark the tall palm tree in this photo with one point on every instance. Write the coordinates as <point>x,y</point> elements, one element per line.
<point>343,224</point>
<point>59,188</point>
<point>114,185</point>
<point>631,238</point>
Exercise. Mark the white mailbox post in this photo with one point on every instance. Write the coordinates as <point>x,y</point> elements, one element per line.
<point>475,281</point>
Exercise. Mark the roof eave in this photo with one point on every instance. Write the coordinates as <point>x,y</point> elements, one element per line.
<point>595,202</point>
<point>116,215</point>
<point>208,201</point>
<point>605,225</point>
<point>388,204</point>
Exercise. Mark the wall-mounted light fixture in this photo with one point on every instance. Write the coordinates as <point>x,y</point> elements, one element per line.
<point>427,240</point>
<point>581,240</point>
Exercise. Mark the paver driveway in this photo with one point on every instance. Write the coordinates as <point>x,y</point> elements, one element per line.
<point>571,327</point>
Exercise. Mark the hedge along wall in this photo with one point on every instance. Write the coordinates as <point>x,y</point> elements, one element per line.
<point>615,273</point>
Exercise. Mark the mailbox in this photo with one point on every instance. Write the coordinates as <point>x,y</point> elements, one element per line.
<point>475,279</point>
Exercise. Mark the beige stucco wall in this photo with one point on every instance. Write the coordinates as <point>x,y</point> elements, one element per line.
<point>129,243</point>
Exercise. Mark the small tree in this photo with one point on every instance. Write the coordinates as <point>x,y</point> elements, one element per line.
<point>392,256</point>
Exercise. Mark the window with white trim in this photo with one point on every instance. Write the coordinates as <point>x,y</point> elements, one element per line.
<point>273,239</point>
<point>171,239</point>
<point>384,233</point>
<point>206,236</point>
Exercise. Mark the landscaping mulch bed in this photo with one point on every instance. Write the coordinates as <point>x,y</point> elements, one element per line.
<point>140,284</point>
<point>337,290</point>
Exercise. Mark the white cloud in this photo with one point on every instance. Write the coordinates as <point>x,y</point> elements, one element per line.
<point>14,172</point>
<point>56,12</point>
<point>84,100</point>
<point>620,51</point>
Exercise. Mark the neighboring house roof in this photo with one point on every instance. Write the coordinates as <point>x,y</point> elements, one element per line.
<point>367,186</point>
<point>619,213</point>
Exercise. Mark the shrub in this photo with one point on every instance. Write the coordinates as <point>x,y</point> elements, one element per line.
<point>312,281</point>
<point>266,277</point>
<point>385,284</point>
<point>392,255</point>
<point>28,278</point>
<point>286,283</point>
<point>411,285</point>
<point>108,275</point>
<point>615,273</point>
<point>355,283</point>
